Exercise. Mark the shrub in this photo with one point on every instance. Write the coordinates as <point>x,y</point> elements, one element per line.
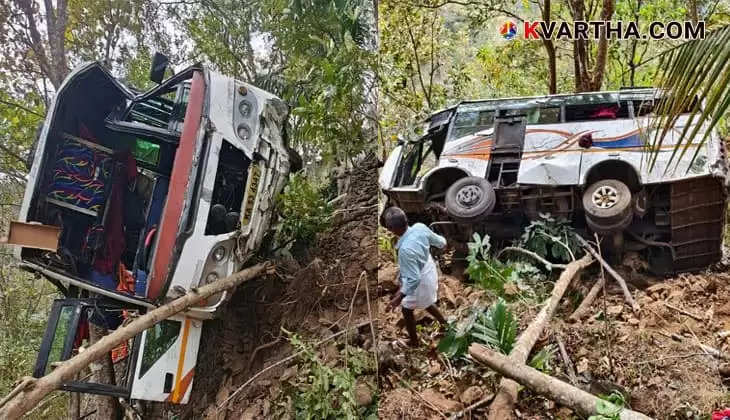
<point>385,244</point>
<point>484,270</point>
<point>495,327</point>
<point>324,392</point>
<point>552,239</point>
<point>304,211</point>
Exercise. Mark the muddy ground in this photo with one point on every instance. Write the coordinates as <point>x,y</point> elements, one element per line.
<point>665,376</point>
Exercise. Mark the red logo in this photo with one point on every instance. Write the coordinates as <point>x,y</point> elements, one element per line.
<point>531,30</point>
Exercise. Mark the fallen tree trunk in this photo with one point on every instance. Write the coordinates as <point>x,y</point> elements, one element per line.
<point>620,280</point>
<point>504,401</point>
<point>552,388</point>
<point>41,387</point>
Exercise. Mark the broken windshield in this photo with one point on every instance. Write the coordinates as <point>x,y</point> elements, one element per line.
<point>164,106</point>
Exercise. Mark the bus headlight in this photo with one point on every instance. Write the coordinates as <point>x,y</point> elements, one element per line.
<point>244,107</point>
<point>219,253</point>
<point>243,132</point>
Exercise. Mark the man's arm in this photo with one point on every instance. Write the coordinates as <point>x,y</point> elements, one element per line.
<point>436,240</point>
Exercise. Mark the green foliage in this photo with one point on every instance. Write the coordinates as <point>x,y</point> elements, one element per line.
<point>609,407</point>
<point>385,244</point>
<point>495,327</point>
<point>551,238</point>
<point>324,392</point>
<point>19,123</point>
<point>457,338</point>
<point>303,209</point>
<point>528,272</point>
<point>329,73</point>
<point>543,359</point>
<point>484,270</point>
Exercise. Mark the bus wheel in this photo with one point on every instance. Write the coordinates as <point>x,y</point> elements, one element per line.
<point>607,204</point>
<point>470,199</point>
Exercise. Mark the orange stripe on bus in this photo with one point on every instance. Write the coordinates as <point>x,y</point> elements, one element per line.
<point>176,394</point>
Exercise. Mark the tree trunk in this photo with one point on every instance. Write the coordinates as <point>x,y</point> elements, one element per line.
<point>552,388</point>
<point>694,16</point>
<point>32,395</point>
<point>599,68</point>
<point>102,373</point>
<point>53,65</point>
<point>550,50</point>
<point>504,401</point>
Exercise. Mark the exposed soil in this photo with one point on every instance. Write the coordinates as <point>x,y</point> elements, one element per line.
<point>634,353</point>
<point>311,298</point>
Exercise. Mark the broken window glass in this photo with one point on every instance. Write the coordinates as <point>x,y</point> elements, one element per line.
<point>230,181</point>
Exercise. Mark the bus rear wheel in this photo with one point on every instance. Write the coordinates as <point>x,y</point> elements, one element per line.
<point>607,205</point>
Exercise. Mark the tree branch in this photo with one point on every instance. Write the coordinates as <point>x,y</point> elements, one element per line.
<point>19,106</point>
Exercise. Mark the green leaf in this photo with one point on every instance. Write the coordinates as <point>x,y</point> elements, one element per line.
<point>497,327</point>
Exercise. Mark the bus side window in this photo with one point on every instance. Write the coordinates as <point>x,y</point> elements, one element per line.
<point>597,111</point>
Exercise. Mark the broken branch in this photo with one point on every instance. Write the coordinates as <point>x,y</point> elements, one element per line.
<point>529,253</point>
<point>25,382</point>
<point>259,348</point>
<point>566,360</point>
<point>585,305</point>
<point>552,388</point>
<point>683,312</point>
<point>25,400</point>
<point>620,280</point>
<point>472,407</point>
<point>506,397</point>
<point>707,349</point>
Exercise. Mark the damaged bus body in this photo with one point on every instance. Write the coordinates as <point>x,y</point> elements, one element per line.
<point>134,199</point>
<point>492,166</point>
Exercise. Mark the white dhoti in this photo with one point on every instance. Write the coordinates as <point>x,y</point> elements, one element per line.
<point>426,293</point>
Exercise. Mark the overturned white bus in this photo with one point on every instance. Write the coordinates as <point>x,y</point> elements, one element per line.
<point>492,166</point>
<point>134,199</point>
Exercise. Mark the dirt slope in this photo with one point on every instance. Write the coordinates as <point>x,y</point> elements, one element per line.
<point>665,377</point>
<point>310,298</point>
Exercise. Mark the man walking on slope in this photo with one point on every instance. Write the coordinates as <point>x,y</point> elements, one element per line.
<point>418,274</point>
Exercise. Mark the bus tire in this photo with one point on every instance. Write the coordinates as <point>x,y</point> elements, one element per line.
<point>607,203</point>
<point>470,199</point>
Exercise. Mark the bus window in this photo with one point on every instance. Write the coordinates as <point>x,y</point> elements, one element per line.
<point>545,116</point>
<point>471,122</point>
<point>597,111</point>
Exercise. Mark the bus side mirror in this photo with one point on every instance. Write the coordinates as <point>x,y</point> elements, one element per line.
<point>159,65</point>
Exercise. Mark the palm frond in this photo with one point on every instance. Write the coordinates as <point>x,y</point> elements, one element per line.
<point>694,78</point>
<point>497,328</point>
